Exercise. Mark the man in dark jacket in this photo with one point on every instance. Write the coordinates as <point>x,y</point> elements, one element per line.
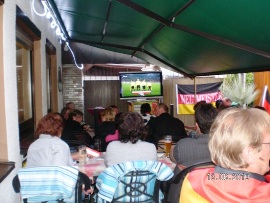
<point>165,124</point>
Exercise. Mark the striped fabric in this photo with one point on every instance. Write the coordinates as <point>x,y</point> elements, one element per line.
<point>107,182</point>
<point>48,183</point>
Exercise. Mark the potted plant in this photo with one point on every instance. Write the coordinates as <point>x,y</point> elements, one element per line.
<point>238,91</point>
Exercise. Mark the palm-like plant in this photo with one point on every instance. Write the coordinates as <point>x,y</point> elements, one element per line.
<point>237,92</point>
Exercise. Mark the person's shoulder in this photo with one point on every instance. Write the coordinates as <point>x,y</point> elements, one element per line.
<point>146,144</point>
<point>152,120</point>
<point>114,143</point>
<point>184,141</point>
<point>192,140</point>
<point>59,141</point>
<point>178,121</point>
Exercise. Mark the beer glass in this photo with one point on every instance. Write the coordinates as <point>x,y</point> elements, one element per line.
<point>82,154</point>
<point>168,144</point>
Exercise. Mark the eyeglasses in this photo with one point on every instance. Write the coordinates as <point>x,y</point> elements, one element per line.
<point>266,143</point>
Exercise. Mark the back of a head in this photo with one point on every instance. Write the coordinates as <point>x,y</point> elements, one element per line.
<point>145,108</point>
<point>70,105</point>
<point>164,107</point>
<point>107,114</point>
<point>75,112</point>
<point>205,115</point>
<point>218,103</point>
<point>115,108</point>
<point>198,104</point>
<point>51,124</point>
<point>131,127</point>
<point>234,130</point>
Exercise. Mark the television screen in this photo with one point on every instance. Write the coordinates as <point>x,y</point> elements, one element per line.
<point>140,85</point>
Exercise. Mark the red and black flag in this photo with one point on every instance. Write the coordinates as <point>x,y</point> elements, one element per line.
<point>266,99</point>
<point>204,92</point>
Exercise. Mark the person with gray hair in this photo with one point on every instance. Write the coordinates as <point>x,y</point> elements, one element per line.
<point>239,144</point>
<point>164,124</point>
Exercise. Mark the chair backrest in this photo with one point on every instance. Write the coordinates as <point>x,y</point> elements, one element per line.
<point>50,183</point>
<point>135,181</point>
<point>138,186</point>
<point>179,178</point>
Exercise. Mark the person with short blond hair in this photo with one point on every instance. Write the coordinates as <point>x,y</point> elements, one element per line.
<point>239,144</point>
<point>107,126</point>
<point>107,114</point>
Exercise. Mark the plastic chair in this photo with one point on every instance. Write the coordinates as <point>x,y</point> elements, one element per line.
<point>51,183</point>
<point>136,181</point>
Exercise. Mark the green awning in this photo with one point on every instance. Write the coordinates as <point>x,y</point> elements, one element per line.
<point>197,37</point>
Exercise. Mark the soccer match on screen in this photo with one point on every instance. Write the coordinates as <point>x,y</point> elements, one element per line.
<point>141,85</point>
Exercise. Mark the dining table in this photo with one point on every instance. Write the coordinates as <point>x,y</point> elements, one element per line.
<point>95,165</point>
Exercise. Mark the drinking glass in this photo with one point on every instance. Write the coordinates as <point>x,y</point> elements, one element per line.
<point>168,144</point>
<point>82,154</point>
<point>97,145</point>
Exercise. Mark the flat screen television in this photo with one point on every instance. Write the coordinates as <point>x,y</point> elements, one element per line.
<point>141,85</point>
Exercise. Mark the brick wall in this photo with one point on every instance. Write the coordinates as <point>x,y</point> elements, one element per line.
<point>72,86</point>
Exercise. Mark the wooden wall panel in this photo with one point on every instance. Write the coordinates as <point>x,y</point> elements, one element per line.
<point>106,92</point>
<point>102,94</point>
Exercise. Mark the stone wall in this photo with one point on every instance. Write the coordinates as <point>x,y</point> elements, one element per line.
<point>72,86</point>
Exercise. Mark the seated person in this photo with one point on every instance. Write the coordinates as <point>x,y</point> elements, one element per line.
<point>106,127</point>
<point>70,105</point>
<point>226,103</point>
<point>194,129</point>
<point>49,149</point>
<point>146,112</point>
<point>239,142</point>
<point>192,150</point>
<point>75,128</point>
<point>130,147</point>
<point>115,136</point>
<point>115,108</point>
<point>164,124</point>
<point>65,113</point>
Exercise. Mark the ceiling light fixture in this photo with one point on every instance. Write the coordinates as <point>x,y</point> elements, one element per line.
<point>49,13</point>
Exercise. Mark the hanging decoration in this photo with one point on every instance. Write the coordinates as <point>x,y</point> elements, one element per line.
<point>55,24</point>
